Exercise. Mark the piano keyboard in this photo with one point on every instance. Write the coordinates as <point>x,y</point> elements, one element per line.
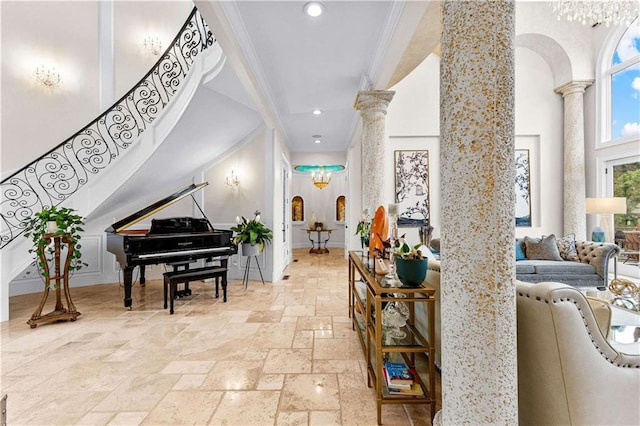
<point>184,252</point>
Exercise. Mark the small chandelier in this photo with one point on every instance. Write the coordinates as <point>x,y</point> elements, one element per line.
<point>232,180</point>
<point>321,179</point>
<point>48,77</point>
<point>597,12</point>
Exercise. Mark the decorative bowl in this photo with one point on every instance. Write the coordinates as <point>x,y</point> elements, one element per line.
<point>411,272</point>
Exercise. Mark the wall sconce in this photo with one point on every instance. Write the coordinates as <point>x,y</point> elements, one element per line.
<point>48,77</point>
<point>232,180</point>
<point>153,45</point>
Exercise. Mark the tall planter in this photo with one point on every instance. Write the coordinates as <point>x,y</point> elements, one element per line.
<point>249,249</point>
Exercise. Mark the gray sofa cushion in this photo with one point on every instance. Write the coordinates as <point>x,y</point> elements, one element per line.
<point>565,267</point>
<point>526,266</point>
<point>542,249</point>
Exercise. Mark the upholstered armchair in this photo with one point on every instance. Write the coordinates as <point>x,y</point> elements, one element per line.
<point>568,373</point>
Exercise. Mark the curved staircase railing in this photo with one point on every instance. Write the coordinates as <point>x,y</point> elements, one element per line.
<point>58,174</point>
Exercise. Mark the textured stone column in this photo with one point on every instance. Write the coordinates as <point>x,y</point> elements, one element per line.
<point>478,311</point>
<point>575,221</point>
<point>373,109</point>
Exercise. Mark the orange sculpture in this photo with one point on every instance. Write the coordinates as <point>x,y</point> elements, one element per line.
<point>379,231</point>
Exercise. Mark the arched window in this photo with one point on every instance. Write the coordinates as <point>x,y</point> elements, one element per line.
<point>619,86</point>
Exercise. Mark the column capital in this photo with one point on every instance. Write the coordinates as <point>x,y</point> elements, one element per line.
<point>373,100</point>
<point>576,86</point>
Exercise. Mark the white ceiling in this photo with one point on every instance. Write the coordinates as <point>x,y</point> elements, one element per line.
<point>297,63</point>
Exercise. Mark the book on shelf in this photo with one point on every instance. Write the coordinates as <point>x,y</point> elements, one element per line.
<point>398,374</point>
<point>414,389</point>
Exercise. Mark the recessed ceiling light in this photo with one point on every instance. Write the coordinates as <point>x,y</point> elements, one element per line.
<point>313,9</point>
<point>317,141</point>
<point>317,112</point>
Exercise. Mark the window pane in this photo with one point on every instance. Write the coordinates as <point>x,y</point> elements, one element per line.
<point>625,102</point>
<point>626,183</point>
<point>629,44</point>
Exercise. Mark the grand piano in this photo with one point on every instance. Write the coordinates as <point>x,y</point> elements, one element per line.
<point>170,241</point>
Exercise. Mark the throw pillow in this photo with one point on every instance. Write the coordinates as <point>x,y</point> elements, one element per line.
<point>567,248</point>
<point>544,249</point>
<point>520,250</point>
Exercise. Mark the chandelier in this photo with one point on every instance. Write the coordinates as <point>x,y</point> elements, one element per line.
<point>321,179</point>
<point>597,12</point>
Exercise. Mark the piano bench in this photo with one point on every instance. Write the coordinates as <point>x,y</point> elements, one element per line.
<point>171,280</point>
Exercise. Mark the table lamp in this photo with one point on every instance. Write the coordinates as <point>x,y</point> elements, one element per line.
<point>605,207</point>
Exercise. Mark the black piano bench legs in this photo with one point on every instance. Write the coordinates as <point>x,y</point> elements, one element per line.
<point>171,280</point>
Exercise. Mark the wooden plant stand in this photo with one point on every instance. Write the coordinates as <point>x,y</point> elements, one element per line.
<point>60,313</point>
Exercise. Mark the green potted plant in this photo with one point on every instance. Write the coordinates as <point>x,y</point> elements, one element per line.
<point>52,221</point>
<point>411,265</point>
<point>252,234</point>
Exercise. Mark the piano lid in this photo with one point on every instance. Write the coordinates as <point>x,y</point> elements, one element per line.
<point>154,208</point>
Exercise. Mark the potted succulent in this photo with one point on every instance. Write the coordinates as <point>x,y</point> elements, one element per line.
<point>251,234</point>
<point>52,221</point>
<point>411,265</point>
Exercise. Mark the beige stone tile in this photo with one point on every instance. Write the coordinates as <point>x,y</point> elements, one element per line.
<point>315,323</point>
<point>138,393</point>
<point>95,419</point>
<point>336,366</point>
<point>233,375</point>
<point>310,392</point>
<point>188,367</point>
<point>288,361</point>
<point>270,382</point>
<point>269,336</point>
<point>59,408</point>
<point>292,418</point>
<point>323,334</point>
<point>300,311</point>
<point>128,418</point>
<point>303,339</point>
<point>184,408</point>
<point>232,410</point>
<point>189,381</point>
<point>324,418</point>
<point>265,316</point>
<point>336,349</point>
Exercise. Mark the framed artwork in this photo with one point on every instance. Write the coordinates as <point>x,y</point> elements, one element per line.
<point>523,188</point>
<point>412,187</point>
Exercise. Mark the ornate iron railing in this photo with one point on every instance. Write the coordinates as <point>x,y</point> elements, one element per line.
<point>58,174</point>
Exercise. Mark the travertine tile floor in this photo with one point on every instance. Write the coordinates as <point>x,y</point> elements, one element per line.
<point>283,353</point>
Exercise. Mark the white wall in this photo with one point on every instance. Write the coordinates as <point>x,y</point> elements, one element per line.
<point>36,119</point>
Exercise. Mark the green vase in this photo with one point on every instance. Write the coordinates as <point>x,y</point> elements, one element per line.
<point>411,272</point>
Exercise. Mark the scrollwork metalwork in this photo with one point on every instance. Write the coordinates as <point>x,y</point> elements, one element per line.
<point>58,174</point>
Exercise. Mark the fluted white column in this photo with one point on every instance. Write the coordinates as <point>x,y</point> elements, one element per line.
<point>478,311</point>
<point>373,109</point>
<point>575,221</point>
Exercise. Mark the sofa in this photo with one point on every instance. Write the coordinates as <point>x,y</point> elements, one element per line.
<point>569,372</point>
<point>565,260</point>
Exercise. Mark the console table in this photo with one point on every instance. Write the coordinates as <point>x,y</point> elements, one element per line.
<point>322,246</point>
<point>367,296</point>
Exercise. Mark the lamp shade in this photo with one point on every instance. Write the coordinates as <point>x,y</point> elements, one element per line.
<point>611,205</point>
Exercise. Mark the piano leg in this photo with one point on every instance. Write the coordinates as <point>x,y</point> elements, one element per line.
<point>127,275</point>
<point>142,279</point>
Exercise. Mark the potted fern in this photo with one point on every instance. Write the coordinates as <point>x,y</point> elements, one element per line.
<point>50,222</point>
<point>251,234</point>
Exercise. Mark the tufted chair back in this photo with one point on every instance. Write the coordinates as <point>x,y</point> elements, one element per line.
<point>568,373</point>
